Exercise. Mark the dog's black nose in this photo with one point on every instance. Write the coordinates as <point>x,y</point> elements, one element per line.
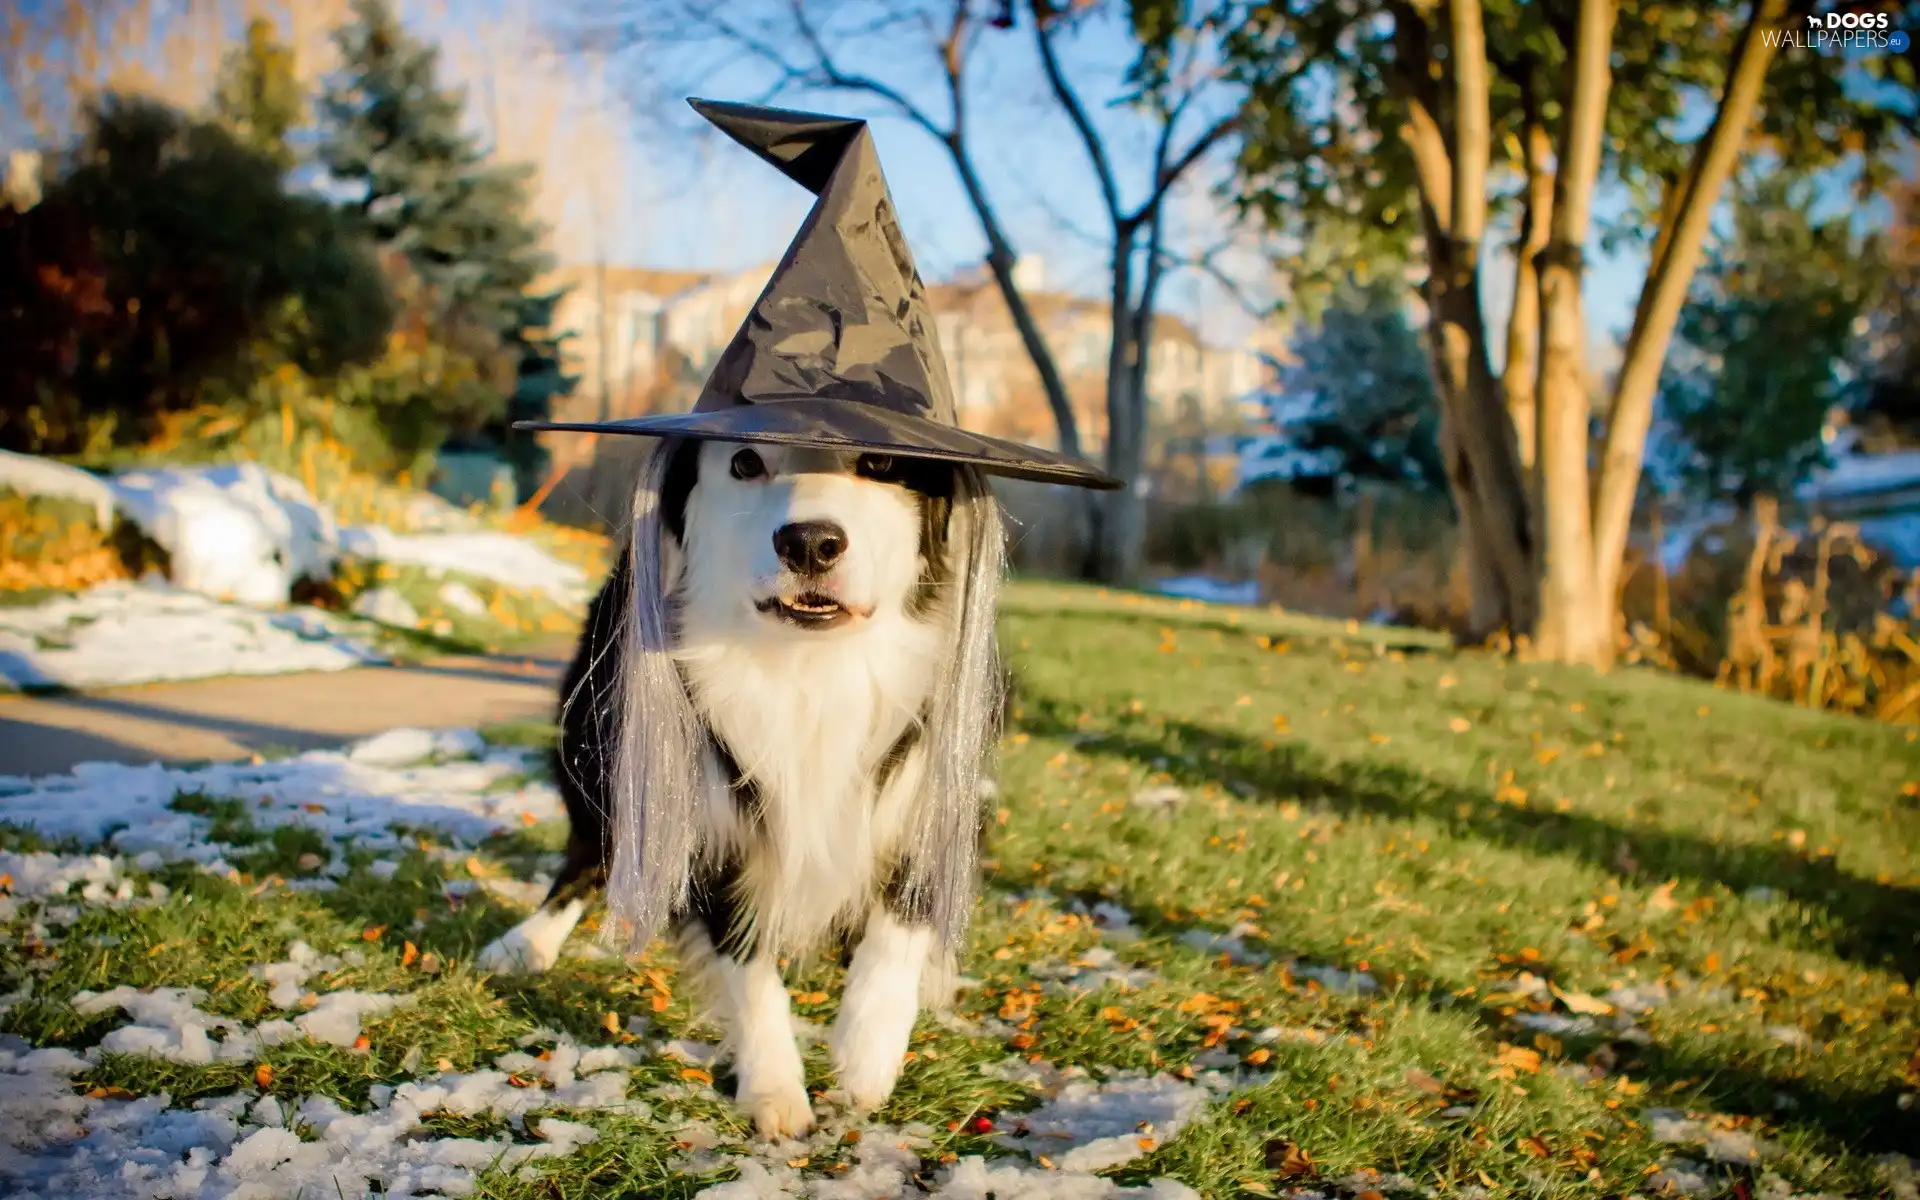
<point>810,547</point>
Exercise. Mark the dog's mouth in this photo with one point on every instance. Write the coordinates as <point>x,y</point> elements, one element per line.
<point>809,610</point>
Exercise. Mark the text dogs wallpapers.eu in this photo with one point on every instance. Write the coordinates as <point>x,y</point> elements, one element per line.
<point>776,726</point>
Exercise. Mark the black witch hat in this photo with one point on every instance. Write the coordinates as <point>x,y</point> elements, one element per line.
<point>839,351</point>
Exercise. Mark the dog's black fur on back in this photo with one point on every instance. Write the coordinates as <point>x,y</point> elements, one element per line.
<point>588,740</point>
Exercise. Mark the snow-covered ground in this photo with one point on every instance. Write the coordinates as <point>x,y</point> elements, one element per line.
<point>238,538</point>
<point>1213,591</point>
<point>56,1141</point>
<point>237,532</point>
<point>124,633</point>
<point>500,557</point>
<point>240,532</point>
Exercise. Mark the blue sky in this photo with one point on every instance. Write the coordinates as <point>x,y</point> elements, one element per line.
<point>700,202</point>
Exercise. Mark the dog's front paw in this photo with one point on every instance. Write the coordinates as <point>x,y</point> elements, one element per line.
<point>867,1070</point>
<point>778,1110</point>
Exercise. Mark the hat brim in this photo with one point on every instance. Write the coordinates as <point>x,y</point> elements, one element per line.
<point>828,424</point>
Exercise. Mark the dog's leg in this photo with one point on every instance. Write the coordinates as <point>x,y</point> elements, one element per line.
<point>534,944</point>
<point>772,1082</point>
<point>742,985</point>
<point>869,1039</point>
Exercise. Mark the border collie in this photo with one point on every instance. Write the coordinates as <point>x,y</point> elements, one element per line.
<point>773,736</point>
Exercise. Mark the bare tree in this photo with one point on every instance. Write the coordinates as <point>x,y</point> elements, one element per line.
<point>54,55</point>
<point>814,48</point>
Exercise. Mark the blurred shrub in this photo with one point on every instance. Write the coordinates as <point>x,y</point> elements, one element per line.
<point>53,544</point>
<point>1818,618</point>
<point>164,256</point>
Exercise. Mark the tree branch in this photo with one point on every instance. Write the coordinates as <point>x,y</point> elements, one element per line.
<point>831,75</point>
<point>1472,119</point>
<point>1077,113</point>
<point>1167,176</point>
<point>1426,140</point>
<point>1631,411</point>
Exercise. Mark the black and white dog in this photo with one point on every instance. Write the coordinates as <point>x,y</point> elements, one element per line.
<point>777,738</point>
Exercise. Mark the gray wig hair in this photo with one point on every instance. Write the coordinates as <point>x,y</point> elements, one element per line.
<point>664,770</point>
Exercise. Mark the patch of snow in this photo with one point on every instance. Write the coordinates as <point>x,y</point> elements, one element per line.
<point>1229,944</point>
<point>286,981</point>
<point>336,1019</point>
<point>1162,796</point>
<point>387,607</point>
<point>1683,1177</point>
<point>122,633</point>
<point>461,598</point>
<point>1863,475</point>
<point>500,557</point>
<point>43,876</point>
<point>1896,535</point>
<point>237,532</point>
<point>1638,999</point>
<point>1096,969</point>
<point>394,748</point>
<point>1087,1126</point>
<point>1115,923</point>
<point>1674,1127</point>
<point>59,1143</point>
<point>346,798</point>
<point>1336,980</point>
<point>1556,1023</point>
<point>31,475</point>
<point>974,1178</point>
<point>1732,1146</point>
<point>1213,591</point>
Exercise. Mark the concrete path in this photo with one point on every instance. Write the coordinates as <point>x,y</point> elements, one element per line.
<point>235,718</point>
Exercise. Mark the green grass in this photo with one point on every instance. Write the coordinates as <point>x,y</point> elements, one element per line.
<point>1351,798</point>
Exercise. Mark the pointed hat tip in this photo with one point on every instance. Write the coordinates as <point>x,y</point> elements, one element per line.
<point>805,146</point>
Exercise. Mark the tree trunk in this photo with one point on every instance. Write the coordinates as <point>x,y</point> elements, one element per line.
<point>1665,292</point>
<point>1572,628</point>
<point>1483,468</point>
<point>1518,374</point>
<point>1121,533</point>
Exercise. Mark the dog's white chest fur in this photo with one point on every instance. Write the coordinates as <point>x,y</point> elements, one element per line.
<point>808,721</point>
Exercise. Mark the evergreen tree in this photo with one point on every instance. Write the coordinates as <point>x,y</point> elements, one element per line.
<point>1767,342</point>
<point>1357,402</point>
<point>541,380</point>
<point>258,96</point>
<point>162,255</point>
<point>429,193</point>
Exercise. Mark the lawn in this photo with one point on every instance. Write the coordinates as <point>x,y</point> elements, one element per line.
<point>1272,906</point>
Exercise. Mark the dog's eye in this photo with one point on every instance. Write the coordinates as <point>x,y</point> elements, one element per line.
<point>875,466</point>
<point>747,465</point>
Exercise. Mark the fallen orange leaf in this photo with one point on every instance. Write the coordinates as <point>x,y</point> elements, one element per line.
<point>263,1075</point>
<point>1519,1057</point>
<point>696,1074</point>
